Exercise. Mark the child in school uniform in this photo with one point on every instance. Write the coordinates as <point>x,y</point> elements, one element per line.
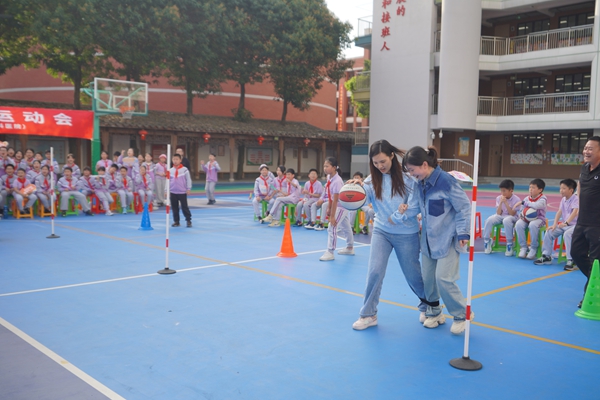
<point>34,172</point>
<point>367,209</point>
<point>86,183</point>
<point>19,194</point>
<point>537,201</point>
<point>124,185</point>
<point>117,159</point>
<point>279,190</point>
<point>44,189</point>
<point>211,169</point>
<point>7,184</point>
<point>323,205</point>
<point>312,191</point>
<point>505,214</point>
<point>4,160</point>
<point>160,179</point>
<point>89,185</point>
<point>71,164</point>
<point>292,188</point>
<point>263,190</point>
<point>101,185</point>
<point>104,161</point>
<point>28,160</point>
<point>130,162</point>
<point>144,186</point>
<point>180,183</point>
<point>67,186</point>
<point>51,163</point>
<point>338,216</point>
<point>149,164</point>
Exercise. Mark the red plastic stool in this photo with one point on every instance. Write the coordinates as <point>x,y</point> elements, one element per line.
<point>478,232</point>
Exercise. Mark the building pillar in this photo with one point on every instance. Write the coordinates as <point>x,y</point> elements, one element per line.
<point>323,154</point>
<point>231,156</point>
<point>281,158</point>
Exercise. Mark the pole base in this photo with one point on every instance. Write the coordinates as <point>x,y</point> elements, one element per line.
<point>53,236</point>
<point>466,364</point>
<point>166,271</point>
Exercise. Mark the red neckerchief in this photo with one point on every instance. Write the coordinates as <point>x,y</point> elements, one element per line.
<point>177,168</point>
<point>8,181</point>
<point>144,179</point>
<point>112,176</point>
<point>70,186</point>
<point>536,199</point>
<point>311,190</point>
<point>280,182</point>
<point>89,181</point>
<point>266,184</point>
<point>105,163</point>
<point>46,184</point>
<point>22,182</point>
<point>125,182</point>
<point>289,188</point>
<point>103,181</point>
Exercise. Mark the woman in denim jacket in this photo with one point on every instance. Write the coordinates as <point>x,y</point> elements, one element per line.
<point>446,213</point>
<point>387,187</point>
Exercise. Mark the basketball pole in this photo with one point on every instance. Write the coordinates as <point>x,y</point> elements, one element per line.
<point>53,195</point>
<point>166,270</point>
<point>465,363</point>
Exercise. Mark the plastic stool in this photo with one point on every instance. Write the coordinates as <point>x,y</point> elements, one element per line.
<point>18,214</point>
<point>95,204</point>
<point>560,247</point>
<point>115,202</point>
<point>41,211</point>
<point>71,209</point>
<point>288,210</point>
<point>130,207</point>
<point>478,225</point>
<point>539,249</point>
<point>499,238</point>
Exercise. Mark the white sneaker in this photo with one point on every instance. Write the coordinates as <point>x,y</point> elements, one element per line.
<point>346,252</point>
<point>434,322</point>
<point>364,323</point>
<point>327,256</point>
<point>509,250</point>
<point>532,255</point>
<point>275,224</point>
<point>523,252</point>
<point>268,219</point>
<point>109,213</point>
<point>487,247</point>
<point>458,327</point>
<point>422,317</point>
<point>124,212</point>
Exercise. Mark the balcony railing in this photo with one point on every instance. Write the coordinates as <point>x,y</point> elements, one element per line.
<point>453,164</point>
<point>361,136</point>
<point>365,26</point>
<point>554,39</point>
<point>363,81</point>
<point>536,104</point>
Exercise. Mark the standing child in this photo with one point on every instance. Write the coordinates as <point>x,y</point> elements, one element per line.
<point>71,164</point>
<point>506,214</point>
<point>144,186</point>
<point>44,189</point>
<point>292,188</point>
<point>211,169</point>
<point>130,162</point>
<point>19,193</point>
<point>160,179</point>
<point>125,185</point>
<point>149,164</point>
<point>567,214</point>
<point>263,190</point>
<point>35,171</point>
<point>67,186</point>
<point>180,183</point>
<point>338,216</point>
<point>51,163</point>
<point>446,214</point>
<point>537,201</point>
<point>312,191</point>
<point>29,159</point>
<point>104,161</point>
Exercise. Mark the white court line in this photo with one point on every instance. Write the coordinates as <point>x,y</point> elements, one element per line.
<point>61,361</point>
<point>155,274</point>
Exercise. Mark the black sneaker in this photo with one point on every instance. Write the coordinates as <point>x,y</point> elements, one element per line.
<point>310,226</point>
<point>579,305</point>
<point>175,224</point>
<point>47,211</point>
<point>64,213</point>
<point>299,223</point>
<point>89,213</point>
<point>543,260</point>
<point>260,220</point>
<point>365,230</point>
<point>26,211</point>
<point>189,224</point>
<point>570,266</point>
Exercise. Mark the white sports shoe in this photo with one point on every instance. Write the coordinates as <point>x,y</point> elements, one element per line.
<point>268,219</point>
<point>275,224</point>
<point>422,317</point>
<point>109,213</point>
<point>532,255</point>
<point>509,250</point>
<point>434,322</point>
<point>327,256</point>
<point>523,252</point>
<point>487,247</point>
<point>364,323</point>
<point>458,327</point>
<point>346,251</point>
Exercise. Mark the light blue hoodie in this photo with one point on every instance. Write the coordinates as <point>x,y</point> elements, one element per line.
<point>388,205</point>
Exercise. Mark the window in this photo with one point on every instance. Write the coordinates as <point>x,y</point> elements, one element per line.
<point>576,20</point>
<point>534,26</point>
<point>527,144</point>
<point>572,82</point>
<point>527,86</point>
<point>350,110</point>
<point>569,143</point>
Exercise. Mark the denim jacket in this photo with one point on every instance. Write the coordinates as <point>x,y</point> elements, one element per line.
<point>445,211</point>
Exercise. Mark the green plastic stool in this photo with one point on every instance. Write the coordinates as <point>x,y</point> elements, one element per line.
<point>130,207</point>
<point>291,210</point>
<point>497,234</point>
<point>264,204</point>
<point>561,254</point>
<point>539,249</point>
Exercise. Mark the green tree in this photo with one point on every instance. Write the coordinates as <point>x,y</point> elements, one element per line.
<point>199,37</point>
<point>305,49</point>
<point>362,107</point>
<point>15,40</point>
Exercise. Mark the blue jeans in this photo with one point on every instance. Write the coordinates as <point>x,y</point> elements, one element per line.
<point>440,276</point>
<point>407,251</point>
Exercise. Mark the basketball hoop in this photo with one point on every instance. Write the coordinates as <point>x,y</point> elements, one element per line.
<point>127,112</point>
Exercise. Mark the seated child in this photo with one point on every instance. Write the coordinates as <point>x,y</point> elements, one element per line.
<point>19,193</point>
<point>292,187</point>
<point>67,186</point>
<point>44,188</point>
<point>505,215</point>
<point>71,164</point>
<point>101,187</point>
<point>144,186</point>
<point>567,213</point>
<point>538,201</point>
<point>312,191</point>
<point>89,185</point>
<point>367,209</point>
<point>125,189</point>
<point>7,184</point>
<point>263,190</point>
<point>278,184</point>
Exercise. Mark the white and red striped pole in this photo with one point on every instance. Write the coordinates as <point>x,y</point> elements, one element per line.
<point>465,362</point>
<point>166,270</point>
<point>52,195</point>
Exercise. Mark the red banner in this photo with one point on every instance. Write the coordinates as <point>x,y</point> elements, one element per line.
<point>47,122</point>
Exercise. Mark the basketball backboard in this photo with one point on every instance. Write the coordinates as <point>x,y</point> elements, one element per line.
<point>114,96</point>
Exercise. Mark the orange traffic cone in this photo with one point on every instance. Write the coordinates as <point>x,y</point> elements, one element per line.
<point>287,245</point>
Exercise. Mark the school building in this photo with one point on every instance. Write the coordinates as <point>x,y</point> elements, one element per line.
<point>521,76</point>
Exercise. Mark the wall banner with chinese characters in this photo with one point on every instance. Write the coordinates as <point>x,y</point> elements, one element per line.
<point>47,122</point>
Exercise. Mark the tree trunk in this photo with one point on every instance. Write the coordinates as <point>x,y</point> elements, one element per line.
<point>284,114</point>
<point>241,159</point>
<point>77,87</point>
<point>242,103</point>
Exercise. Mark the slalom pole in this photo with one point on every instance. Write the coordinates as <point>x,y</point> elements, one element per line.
<point>53,195</point>
<point>166,270</point>
<point>465,363</point>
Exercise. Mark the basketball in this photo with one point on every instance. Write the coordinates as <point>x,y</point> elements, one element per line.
<point>529,214</point>
<point>352,196</point>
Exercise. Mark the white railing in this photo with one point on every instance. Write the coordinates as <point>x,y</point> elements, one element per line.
<point>554,39</point>
<point>361,135</point>
<point>363,81</point>
<point>365,26</point>
<point>535,104</point>
<point>448,164</point>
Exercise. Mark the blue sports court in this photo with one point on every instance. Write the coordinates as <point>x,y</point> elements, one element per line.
<point>86,316</point>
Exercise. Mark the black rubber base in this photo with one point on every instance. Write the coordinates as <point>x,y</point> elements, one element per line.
<point>53,236</point>
<point>166,271</point>
<point>466,364</point>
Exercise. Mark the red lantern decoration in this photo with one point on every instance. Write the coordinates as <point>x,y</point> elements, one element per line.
<point>206,136</point>
<point>260,140</point>
<point>306,141</point>
<point>143,134</point>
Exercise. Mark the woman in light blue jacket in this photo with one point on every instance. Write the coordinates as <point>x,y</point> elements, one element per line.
<point>446,214</point>
<point>387,187</point>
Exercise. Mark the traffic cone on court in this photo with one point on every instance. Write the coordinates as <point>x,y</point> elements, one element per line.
<point>146,220</point>
<point>287,245</point>
<point>590,307</point>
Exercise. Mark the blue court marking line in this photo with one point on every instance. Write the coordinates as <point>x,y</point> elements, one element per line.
<point>290,278</point>
<point>61,361</point>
